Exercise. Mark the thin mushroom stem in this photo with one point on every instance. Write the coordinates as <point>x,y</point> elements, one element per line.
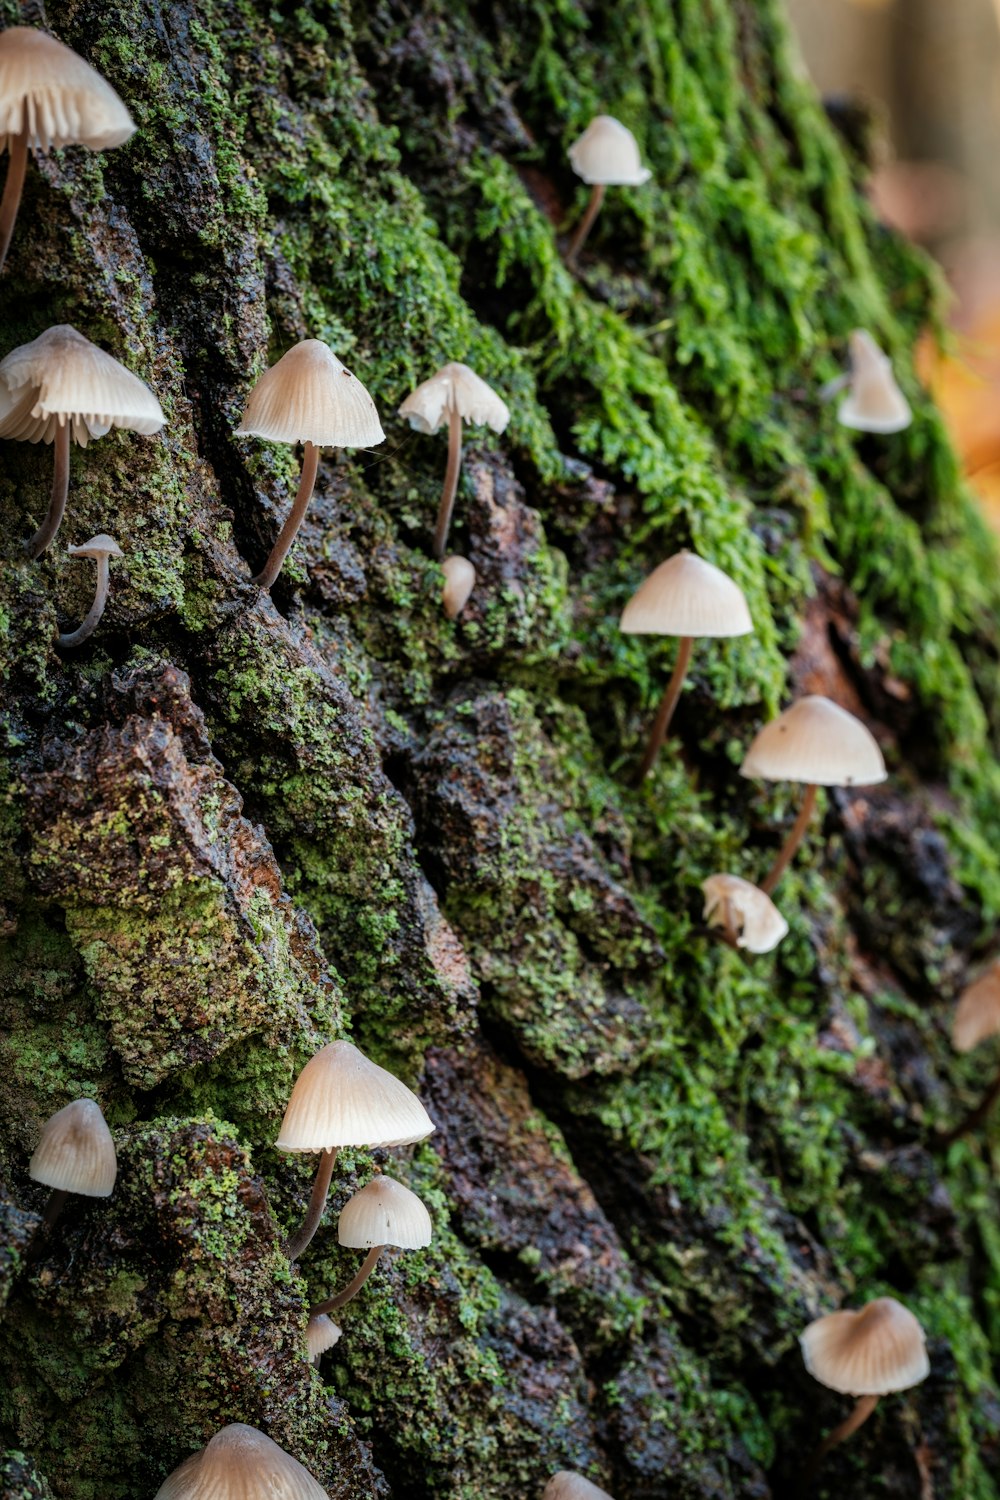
<point>79,635</point>
<point>862,1411</point>
<point>792,842</point>
<point>317,1202</point>
<point>975,1117</point>
<point>60,489</point>
<point>448,493</point>
<point>286,536</point>
<point>353,1287</point>
<point>586,224</point>
<point>668,704</point>
<point>9,204</point>
<point>53,1209</point>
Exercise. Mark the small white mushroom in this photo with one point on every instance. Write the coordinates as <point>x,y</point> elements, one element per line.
<point>102,549</point>
<point>321,1334</point>
<point>75,1154</point>
<point>240,1463</point>
<point>383,1213</point>
<point>454,395</point>
<point>874,402</point>
<point>747,914</point>
<point>459,581</point>
<point>605,155</point>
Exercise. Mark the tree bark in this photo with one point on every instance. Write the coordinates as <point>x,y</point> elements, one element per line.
<point>244,825</point>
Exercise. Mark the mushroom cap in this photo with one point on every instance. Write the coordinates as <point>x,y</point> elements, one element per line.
<point>874,402</point>
<point>569,1486</point>
<point>817,742</point>
<point>384,1213</point>
<point>455,388</point>
<point>100,545</point>
<point>60,100</point>
<point>321,1334</point>
<point>240,1463</point>
<point>62,377</point>
<point>459,581</point>
<point>75,1152</point>
<point>977,1015</point>
<point>310,397</point>
<point>341,1098</point>
<point>878,1349</point>
<point>687,596</point>
<point>607,152</point>
<point>745,909</point>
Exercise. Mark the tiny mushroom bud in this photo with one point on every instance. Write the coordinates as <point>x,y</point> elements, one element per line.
<point>321,1334</point>
<point>101,548</point>
<point>605,155</point>
<point>341,1098</point>
<point>459,581</point>
<point>747,915</point>
<point>869,1353</point>
<point>977,1018</point>
<point>687,597</point>
<point>874,402</point>
<point>59,388</point>
<point>569,1486</point>
<point>49,97</point>
<point>383,1213</point>
<point>75,1154</point>
<point>820,744</point>
<point>454,395</point>
<point>308,397</point>
<point>240,1463</point>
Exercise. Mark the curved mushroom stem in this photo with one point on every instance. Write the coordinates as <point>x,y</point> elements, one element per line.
<point>862,1411</point>
<point>9,204</point>
<point>317,1202</point>
<point>288,532</point>
<point>79,635</point>
<point>975,1117</point>
<point>451,474</point>
<point>586,224</point>
<point>60,489</point>
<point>353,1287</point>
<point>792,842</point>
<point>668,703</point>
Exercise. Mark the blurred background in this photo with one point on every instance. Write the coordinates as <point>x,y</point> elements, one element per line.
<point>927,73</point>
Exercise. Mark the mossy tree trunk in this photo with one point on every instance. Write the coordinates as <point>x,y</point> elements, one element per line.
<point>237,826</point>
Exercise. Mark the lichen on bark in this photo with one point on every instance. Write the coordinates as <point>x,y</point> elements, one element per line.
<point>234,827</point>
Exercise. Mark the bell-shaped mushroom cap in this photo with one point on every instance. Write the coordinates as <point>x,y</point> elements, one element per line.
<point>744,909</point>
<point>75,1152</point>
<point>569,1486</point>
<point>52,94</point>
<point>815,741</point>
<point>310,397</point>
<point>687,596</point>
<point>62,377</point>
<point>384,1213</point>
<point>978,1012</point>
<point>341,1098</point>
<point>459,581</point>
<point>607,152</point>
<point>321,1334</point>
<point>874,402</point>
<point>455,388</point>
<point>871,1352</point>
<point>100,545</point>
<point>240,1463</point>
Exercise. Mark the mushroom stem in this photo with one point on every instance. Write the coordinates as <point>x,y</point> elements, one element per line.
<point>60,489</point>
<point>287,534</point>
<point>79,635</point>
<point>317,1202</point>
<point>53,1209</point>
<point>862,1411</point>
<point>353,1287</point>
<point>667,705</point>
<point>11,200</point>
<point>792,842</point>
<point>451,474</point>
<point>586,224</point>
<point>975,1117</point>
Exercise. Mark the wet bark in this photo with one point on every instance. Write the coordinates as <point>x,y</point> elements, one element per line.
<point>236,826</point>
